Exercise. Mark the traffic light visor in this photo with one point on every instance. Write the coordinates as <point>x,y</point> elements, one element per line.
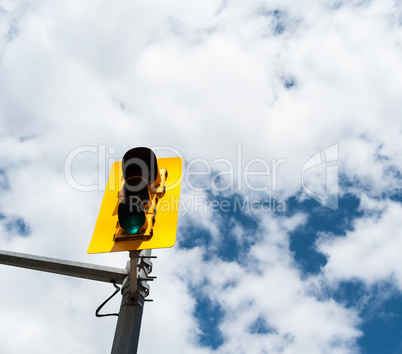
<point>141,162</point>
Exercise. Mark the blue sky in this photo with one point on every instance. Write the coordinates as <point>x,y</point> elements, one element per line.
<point>288,117</point>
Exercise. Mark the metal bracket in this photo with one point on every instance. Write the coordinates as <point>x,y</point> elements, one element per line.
<point>133,299</point>
<point>139,267</point>
<point>147,279</point>
<point>133,271</point>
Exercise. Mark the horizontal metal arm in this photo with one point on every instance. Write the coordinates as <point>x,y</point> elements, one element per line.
<point>61,266</point>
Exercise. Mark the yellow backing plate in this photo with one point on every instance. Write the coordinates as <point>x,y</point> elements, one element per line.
<point>166,216</point>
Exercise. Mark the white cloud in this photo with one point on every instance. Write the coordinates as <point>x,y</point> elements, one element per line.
<point>269,287</point>
<point>370,252</point>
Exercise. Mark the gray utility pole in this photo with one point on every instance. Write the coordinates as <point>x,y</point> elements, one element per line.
<point>133,278</point>
<point>134,291</point>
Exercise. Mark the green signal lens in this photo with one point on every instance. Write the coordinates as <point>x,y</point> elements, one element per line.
<point>133,223</point>
<point>131,215</point>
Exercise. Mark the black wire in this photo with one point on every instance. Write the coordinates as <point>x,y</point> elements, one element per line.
<point>97,314</point>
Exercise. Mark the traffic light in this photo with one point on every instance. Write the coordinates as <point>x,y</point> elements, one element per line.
<point>140,205</point>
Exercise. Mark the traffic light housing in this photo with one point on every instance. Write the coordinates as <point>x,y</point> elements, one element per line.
<point>140,205</point>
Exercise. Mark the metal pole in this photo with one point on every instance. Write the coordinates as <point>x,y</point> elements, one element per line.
<point>61,266</point>
<point>128,325</point>
<point>129,322</point>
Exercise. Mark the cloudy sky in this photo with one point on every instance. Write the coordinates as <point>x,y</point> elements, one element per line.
<point>288,117</point>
